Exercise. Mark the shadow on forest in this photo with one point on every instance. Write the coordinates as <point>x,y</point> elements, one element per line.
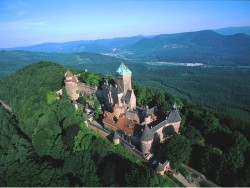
<point>112,170</point>
<point>220,139</point>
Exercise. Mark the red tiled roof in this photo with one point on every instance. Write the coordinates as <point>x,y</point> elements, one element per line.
<point>124,124</point>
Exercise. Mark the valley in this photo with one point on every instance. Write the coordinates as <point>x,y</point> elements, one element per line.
<point>224,88</point>
<point>203,66</point>
<point>124,93</point>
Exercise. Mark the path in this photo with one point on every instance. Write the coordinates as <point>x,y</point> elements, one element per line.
<point>180,178</point>
<point>197,177</point>
<point>7,107</point>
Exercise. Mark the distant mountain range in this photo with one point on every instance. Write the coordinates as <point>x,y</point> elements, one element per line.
<point>97,46</point>
<point>226,46</point>
<point>233,30</point>
<point>202,47</point>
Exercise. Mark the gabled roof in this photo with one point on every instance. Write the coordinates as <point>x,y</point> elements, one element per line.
<point>158,126</point>
<point>173,117</point>
<point>123,70</point>
<point>68,74</point>
<point>147,134</point>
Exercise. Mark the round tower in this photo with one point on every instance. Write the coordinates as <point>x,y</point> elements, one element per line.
<point>116,139</point>
<point>160,169</point>
<point>68,75</point>
<point>71,85</point>
<point>146,140</point>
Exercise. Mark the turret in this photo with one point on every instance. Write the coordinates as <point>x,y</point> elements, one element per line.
<point>68,75</point>
<point>161,168</point>
<point>71,85</point>
<point>175,106</point>
<point>146,140</point>
<point>174,118</point>
<point>116,139</point>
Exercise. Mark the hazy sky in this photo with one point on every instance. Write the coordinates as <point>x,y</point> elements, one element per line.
<point>26,22</point>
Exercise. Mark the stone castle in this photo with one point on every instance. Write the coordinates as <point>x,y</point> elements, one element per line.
<point>137,124</point>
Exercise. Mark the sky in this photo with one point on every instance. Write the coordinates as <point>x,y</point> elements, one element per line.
<point>27,22</point>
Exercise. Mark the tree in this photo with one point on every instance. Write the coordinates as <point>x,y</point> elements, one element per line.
<point>42,145</point>
<point>97,109</point>
<point>178,150</point>
<point>210,123</point>
<point>241,142</point>
<point>90,78</point>
<point>206,164</point>
<point>193,134</point>
<point>234,159</point>
<point>51,97</point>
<point>161,102</point>
<point>140,92</point>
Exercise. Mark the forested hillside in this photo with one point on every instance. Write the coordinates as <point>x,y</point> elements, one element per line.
<point>220,147</point>
<point>206,47</point>
<point>46,143</point>
<point>97,46</point>
<point>233,30</point>
<point>10,61</point>
<point>222,88</point>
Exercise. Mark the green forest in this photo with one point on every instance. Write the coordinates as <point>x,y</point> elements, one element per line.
<point>44,142</point>
<point>214,144</point>
<point>223,88</point>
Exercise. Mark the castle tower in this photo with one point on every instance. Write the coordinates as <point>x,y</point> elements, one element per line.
<point>71,85</point>
<point>161,168</point>
<point>173,119</point>
<point>146,140</point>
<point>123,78</point>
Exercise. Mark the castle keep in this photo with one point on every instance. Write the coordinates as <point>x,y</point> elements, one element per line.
<point>118,96</point>
<point>136,124</point>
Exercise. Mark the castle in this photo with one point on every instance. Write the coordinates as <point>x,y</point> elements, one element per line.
<point>134,123</point>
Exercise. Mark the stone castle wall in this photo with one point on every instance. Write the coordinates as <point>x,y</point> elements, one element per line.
<point>167,129</point>
<point>86,88</point>
<point>71,89</point>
